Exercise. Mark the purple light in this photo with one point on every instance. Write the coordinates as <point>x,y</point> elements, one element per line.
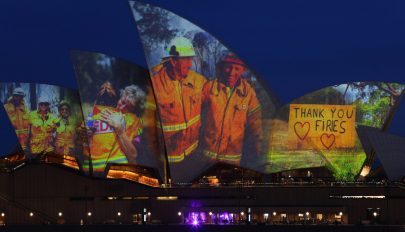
<point>193,218</point>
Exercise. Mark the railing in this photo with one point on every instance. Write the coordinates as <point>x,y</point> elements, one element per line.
<point>289,183</point>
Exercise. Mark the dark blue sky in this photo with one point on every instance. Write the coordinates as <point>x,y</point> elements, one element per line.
<point>295,46</point>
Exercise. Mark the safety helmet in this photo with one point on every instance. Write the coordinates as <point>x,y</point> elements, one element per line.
<point>230,57</point>
<point>180,47</point>
<point>19,91</point>
<point>43,99</point>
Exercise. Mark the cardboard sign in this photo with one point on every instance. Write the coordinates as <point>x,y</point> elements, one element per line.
<point>321,126</point>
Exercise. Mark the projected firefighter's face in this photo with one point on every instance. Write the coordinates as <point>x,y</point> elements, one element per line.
<point>231,72</point>
<point>43,107</point>
<point>64,111</point>
<point>125,104</point>
<point>181,66</point>
<point>17,99</point>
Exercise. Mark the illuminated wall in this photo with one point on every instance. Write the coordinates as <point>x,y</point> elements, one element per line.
<point>319,129</point>
<point>211,105</point>
<point>47,120</point>
<point>120,115</point>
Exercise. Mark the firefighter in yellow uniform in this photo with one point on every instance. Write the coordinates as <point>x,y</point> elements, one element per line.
<point>178,96</point>
<point>232,114</point>
<point>19,116</point>
<point>66,135</point>
<point>99,133</point>
<point>42,124</point>
<point>116,130</point>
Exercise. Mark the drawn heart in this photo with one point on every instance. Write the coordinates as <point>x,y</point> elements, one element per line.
<point>302,129</point>
<point>328,140</point>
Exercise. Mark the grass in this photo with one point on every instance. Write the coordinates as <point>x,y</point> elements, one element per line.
<point>344,164</point>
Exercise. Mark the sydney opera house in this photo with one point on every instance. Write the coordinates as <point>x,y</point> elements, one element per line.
<point>198,140</point>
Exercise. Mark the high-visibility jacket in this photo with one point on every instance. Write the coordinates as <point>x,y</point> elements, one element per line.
<point>65,136</point>
<point>41,139</point>
<point>65,140</point>
<point>19,117</point>
<point>83,147</point>
<point>179,105</point>
<point>104,144</point>
<point>229,114</point>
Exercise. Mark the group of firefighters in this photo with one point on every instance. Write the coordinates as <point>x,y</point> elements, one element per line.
<point>211,119</point>
<point>201,120</point>
<point>206,119</point>
<point>40,132</point>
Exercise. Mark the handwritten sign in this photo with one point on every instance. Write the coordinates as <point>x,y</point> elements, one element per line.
<point>321,126</point>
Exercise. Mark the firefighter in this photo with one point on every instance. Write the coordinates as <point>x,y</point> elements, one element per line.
<point>100,138</point>
<point>19,116</point>
<point>178,95</point>
<point>232,113</point>
<point>66,134</point>
<point>42,124</point>
<point>117,130</point>
<point>65,131</point>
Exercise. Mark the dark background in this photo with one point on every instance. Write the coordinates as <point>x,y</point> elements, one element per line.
<point>295,46</point>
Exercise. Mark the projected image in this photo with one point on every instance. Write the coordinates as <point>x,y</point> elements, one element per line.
<point>119,108</point>
<point>320,127</point>
<point>47,120</point>
<point>211,105</point>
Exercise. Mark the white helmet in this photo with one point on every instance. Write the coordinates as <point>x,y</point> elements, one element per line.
<point>180,47</point>
<point>43,99</point>
<point>19,91</point>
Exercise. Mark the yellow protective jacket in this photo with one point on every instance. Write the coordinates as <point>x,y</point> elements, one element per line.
<point>41,140</point>
<point>179,105</point>
<point>66,131</point>
<point>104,145</point>
<point>229,114</point>
<point>19,117</point>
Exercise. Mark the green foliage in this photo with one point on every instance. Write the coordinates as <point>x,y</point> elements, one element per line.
<point>290,160</point>
<point>374,101</point>
<point>345,164</point>
<point>372,114</point>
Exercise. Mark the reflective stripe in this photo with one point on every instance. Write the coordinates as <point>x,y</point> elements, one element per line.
<point>175,159</point>
<point>254,110</point>
<point>178,127</point>
<point>180,157</point>
<point>223,157</point>
<point>103,162</point>
<point>191,148</point>
<point>21,131</point>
